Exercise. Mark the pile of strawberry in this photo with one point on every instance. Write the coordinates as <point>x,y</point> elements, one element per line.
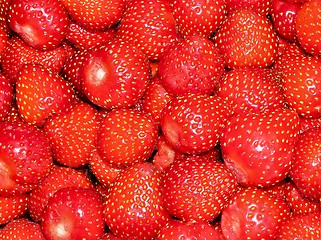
<point>160,119</point>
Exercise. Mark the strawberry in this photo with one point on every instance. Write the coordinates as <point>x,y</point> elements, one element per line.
<point>198,17</point>
<point>115,75</point>
<point>74,213</point>
<point>125,137</point>
<point>4,38</point>
<point>149,25</point>
<point>12,207</point>
<point>306,165</point>
<point>192,124</point>
<point>134,204</point>
<point>59,177</point>
<point>73,134</point>
<point>40,23</point>
<point>40,93</point>
<point>6,96</point>
<point>95,14</point>
<point>109,236</point>
<point>260,6</point>
<point>22,229</point>
<point>308,26</point>
<point>307,123</point>
<point>302,226</point>
<point>253,214</point>
<point>250,90</point>
<point>258,147</point>
<point>246,38</point>
<point>300,82</point>
<point>192,65</point>
<point>25,154</point>
<point>197,189</point>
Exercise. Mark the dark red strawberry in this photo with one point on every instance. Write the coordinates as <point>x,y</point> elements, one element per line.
<point>40,23</point>
<point>115,75</point>
<point>253,214</point>
<point>192,65</point>
<point>261,6</point>
<point>149,25</point>
<point>12,207</point>
<point>246,39</point>
<point>258,147</point>
<point>198,17</point>
<point>192,124</point>
<point>125,137</point>
<point>74,213</point>
<point>40,93</point>
<point>6,96</point>
<point>134,204</point>
<point>197,189</point>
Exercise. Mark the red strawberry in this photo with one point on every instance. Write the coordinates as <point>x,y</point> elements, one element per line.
<point>41,93</point>
<point>115,75</point>
<point>17,53</point>
<point>198,17</point>
<point>246,39</point>
<point>40,23</point>
<point>258,147</point>
<point>109,236</point>
<point>302,226</point>
<point>4,38</point>
<point>253,214</point>
<point>59,177</point>
<point>22,229</point>
<point>192,124</point>
<point>25,155</point>
<point>149,25</point>
<point>197,189</point>
<point>192,65</point>
<point>95,14</point>
<point>301,84</point>
<point>125,137</point>
<point>260,6</point>
<point>74,213</point>
<point>250,90</point>
<point>307,123</point>
<point>6,96</point>
<point>134,204</point>
<point>12,207</point>
<point>73,134</point>
<point>308,26</point>
<point>306,166</point>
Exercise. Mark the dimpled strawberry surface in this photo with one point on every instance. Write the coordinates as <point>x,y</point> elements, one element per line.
<point>160,119</point>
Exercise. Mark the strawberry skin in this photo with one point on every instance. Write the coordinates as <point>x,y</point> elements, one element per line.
<point>6,96</point>
<point>12,207</point>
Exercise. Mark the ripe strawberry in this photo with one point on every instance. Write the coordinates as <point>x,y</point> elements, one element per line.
<point>258,147</point>
<point>192,124</point>
<point>109,236</point>
<point>115,75</point>
<point>301,85</point>
<point>59,177</point>
<point>306,166</point>
<point>25,155</point>
<point>125,137</point>
<point>307,123</point>
<point>40,23</point>
<point>250,90</point>
<point>6,96</point>
<point>253,214</point>
<point>4,38</point>
<point>198,17</point>
<point>41,93</point>
<point>17,53</point>
<point>134,204</point>
<point>246,39</point>
<point>302,226</point>
<point>12,207</point>
<point>197,189</point>
<point>149,25</point>
<point>192,65</point>
<point>74,213</point>
<point>261,6</point>
<point>308,26</point>
<point>22,229</point>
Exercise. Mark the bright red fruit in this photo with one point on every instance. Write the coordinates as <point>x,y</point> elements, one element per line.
<point>258,147</point>
<point>192,65</point>
<point>6,96</point>
<point>12,207</point>
<point>246,39</point>
<point>253,214</point>
<point>74,213</point>
<point>197,189</point>
<point>115,75</point>
<point>260,6</point>
<point>134,204</point>
<point>125,137</point>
